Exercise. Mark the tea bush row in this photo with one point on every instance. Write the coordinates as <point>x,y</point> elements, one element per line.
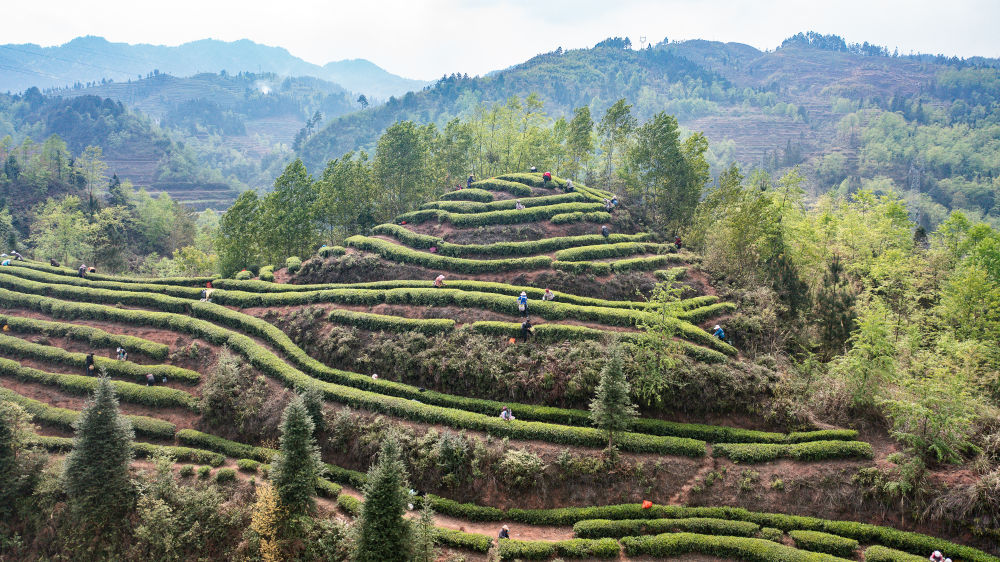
<point>601,528</point>
<point>404,254</point>
<point>16,347</point>
<point>604,251</point>
<point>93,336</point>
<point>468,194</point>
<point>142,450</point>
<point>810,451</point>
<point>64,418</point>
<point>155,396</point>
<point>490,218</point>
<point>510,549</point>
<point>580,216</point>
<point>736,548</point>
<point>505,204</point>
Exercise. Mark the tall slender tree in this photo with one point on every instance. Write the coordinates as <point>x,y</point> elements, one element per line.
<point>238,238</point>
<point>580,140</point>
<point>97,478</point>
<point>615,128</point>
<point>384,535</point>
<point>612,409</point>
<point>296,468</point>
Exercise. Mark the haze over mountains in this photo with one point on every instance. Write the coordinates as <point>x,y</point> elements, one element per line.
<point>91,59</point>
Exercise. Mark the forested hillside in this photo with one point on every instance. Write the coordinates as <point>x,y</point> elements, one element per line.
<point>849,116</point>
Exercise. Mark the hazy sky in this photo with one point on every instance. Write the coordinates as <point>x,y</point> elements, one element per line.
<point>425,39</point>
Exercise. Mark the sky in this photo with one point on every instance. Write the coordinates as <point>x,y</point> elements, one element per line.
<point>425,39</point>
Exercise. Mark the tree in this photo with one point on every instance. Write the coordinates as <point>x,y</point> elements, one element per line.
<point>871,362</point>
<point>238,238</point>
<point>612,409</point>
<point>286,217</point>
<point>297,466</point>
<point>363,102</point>
<point>93,169</point>
<point>346,198</point>
<point>615,128</point>
<point>383,534</point>
<point>401,169</point>
<point>312,397</point>
<point>580,140</point>
<point>663,175</point>
<point>424,536</point>
<point>61,230</point>
<point>97,469</point>
<point>834,308</point>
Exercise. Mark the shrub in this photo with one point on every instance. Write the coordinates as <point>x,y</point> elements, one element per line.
<point>327,489</point>
<point>266,273</point>
<point>703,313</point>
<point>739,548</point>
<point>247,465</point>
<point>156,396</point>
<point>142,450</point>
<point>772,534</point>
<point>507,204</point>
<point>599,528</point>
<point>580,216</point>
<point>331,251</point>
<point>463,540</point>
<point>511,549</point>
<point>876,553</point>
<point>93,336</point>
<point>293,264</point>
<point>810,451</point>
<point>612,250</point>
<point>224,475</point>
<point>349,505</point>
<point>817,541</point>
<point>377,322</point>
<point>495,184</point>
<point>468,194</point>
<point>204,472</point>
<point>511,216</point>
<point>186,471</point>
<point>65,418</point>
<point>225,446</point>
<point>16,347</point>
<point>72,273</point>
<point>672,274</point>
<point>243,275</point>
<point>402,254</point>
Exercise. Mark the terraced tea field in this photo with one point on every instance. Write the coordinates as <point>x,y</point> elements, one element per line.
<point>52,318</point>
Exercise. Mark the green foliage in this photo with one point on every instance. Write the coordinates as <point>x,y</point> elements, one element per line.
<point>238,237</point>
<point>743,548</point>
<point>580,216</point>
<point>510,549</point>
<point>612,409</point>
<point>817,541</point>
<point>349,504</point>
<point>600,528</point>
<point>507,204</point>
<point>381,322</point>
<point>293,264</point>
<point>811,451</point>
<point>470,194</point>
<point>424,536</point>
<point>225,475</point>
<point>402,254</point>
<point>383,535</point>
<point>295,470</point>
<point>871,361</point>
<point>286,216</point>
<point>513,216</point>
<point>877,553</point>
<point>243,276</point>
<point>96,473</point>
<point>247,465</point>
<point>93,336</point>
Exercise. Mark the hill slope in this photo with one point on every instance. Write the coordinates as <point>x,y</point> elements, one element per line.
<point>91,59</point>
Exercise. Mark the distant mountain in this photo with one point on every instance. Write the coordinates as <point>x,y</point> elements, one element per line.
<point>94,59</point>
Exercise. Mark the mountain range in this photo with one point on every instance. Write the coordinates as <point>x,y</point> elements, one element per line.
<point>92,59</point>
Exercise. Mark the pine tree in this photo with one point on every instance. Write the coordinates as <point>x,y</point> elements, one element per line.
<point>313,400</point>
<point>384,535</point>
<point>612,409</point>
<point>424,536</point>
<point>835,308</point>
<point>297,466</point>
<point>97,469</point>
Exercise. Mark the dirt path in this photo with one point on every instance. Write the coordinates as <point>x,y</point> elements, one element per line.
<point>683,494</point>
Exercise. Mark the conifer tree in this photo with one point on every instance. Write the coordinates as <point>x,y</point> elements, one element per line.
<point>313,400</point>
<point>424,536</point>
<point>384,535</point>
<point>297,466</point>
<point>97,477</point>
<point>835,308</point>
<point>612,408</point>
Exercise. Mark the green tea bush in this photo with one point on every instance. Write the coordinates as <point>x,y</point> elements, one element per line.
<point>64,418</point>
<point>580,216</point>
<point>600,528</point>
<point>93,336</point>
<point>381,322</point>
<point>504,205</point>
<point>468,194</point>
<point>72,273</point>
<point>463,540</point>
<point>611,250</point>
<point>494,184</point>
<point>403,254</point>
<point>150,287</point>
<point>810,451</point>
<point>349,505</point>
<point>878,553</point>
<point>737,548</point>
<point>327,489</point>
<point>699,315</point>
<point>293,264</point>
<point>534,179</point>
<point>224,475</point>
<point>266,273</point>
<point>672,274</point>
<point>511,549</point>
<point>243,275</point>
<point>511,216</point>
<point>772,534</point>
<point>142,450</point>
<point>225,446</point>
<point>331,251</point>
<point>156,396</point>
<point>204,472</point>
<point>16,347</point>
<point>247,465</point>
<point>186,471</point>
<point>817,541</point>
